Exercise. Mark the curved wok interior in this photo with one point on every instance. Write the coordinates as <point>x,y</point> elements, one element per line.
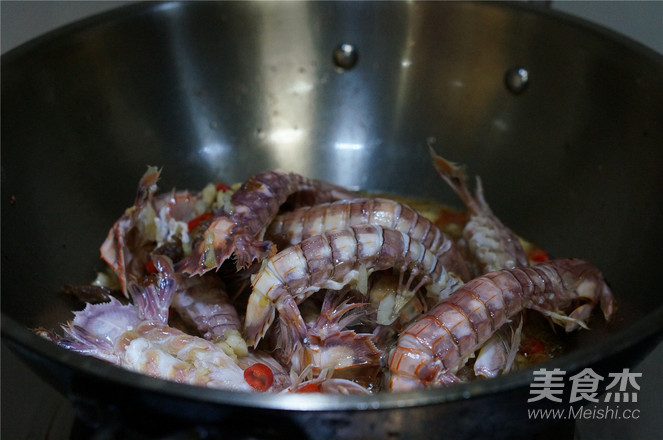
<point>220,91</point>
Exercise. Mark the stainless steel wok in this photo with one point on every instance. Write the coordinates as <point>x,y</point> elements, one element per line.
<point>563,122</point>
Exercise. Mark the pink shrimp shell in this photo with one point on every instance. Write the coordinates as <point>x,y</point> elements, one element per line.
<point>431,349</point>
<point>294,226</point>
<point>332,260</point>
<point>239,233</point>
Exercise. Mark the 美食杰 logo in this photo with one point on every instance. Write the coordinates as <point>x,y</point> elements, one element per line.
<point>620,388</point>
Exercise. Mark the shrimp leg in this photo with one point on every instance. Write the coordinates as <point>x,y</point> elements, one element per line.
<point>330,345</point>
<point>115,250</point>
<point>498,353</point>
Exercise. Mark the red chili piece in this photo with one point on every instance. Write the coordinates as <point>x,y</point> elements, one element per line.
<point>259,376</point>
<point>196,221</point>
<point>310,388</point>
<point>222,187</point>
<point>150,267</point>
<point>449,216</point>
<point>532,346</point>
<point>538,256</point>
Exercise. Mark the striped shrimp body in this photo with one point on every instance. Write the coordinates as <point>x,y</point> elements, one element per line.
<point>237,230</point>
<point>491,244</point>
<point>203,303</point>
<point>433,348</point>
<point>294,226</point>
<point>333,260</point>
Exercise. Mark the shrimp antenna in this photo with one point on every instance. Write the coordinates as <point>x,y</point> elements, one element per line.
<point>455,176</point>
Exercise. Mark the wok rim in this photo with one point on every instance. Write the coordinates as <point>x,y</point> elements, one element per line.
<point>651,325</point>
<point>142,7</point>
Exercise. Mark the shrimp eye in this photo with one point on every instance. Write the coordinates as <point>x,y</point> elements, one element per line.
<point>259,376</point>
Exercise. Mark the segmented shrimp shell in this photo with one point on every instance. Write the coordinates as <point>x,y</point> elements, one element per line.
<point>203,303</point>
<point>294,226</point>
<point>239,233</point>
<point>332,260</point>
<point>431,350</point>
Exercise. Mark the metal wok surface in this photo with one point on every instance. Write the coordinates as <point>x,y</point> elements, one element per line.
<point>187,87</point>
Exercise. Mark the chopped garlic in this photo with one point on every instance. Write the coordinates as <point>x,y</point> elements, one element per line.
<point>235,340</point>
<point>208,194</point>
<point>233,345</point>
<point>227,349</point>
<point>223,201</point>
<point>210,257</point>
<point>145,222</point>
